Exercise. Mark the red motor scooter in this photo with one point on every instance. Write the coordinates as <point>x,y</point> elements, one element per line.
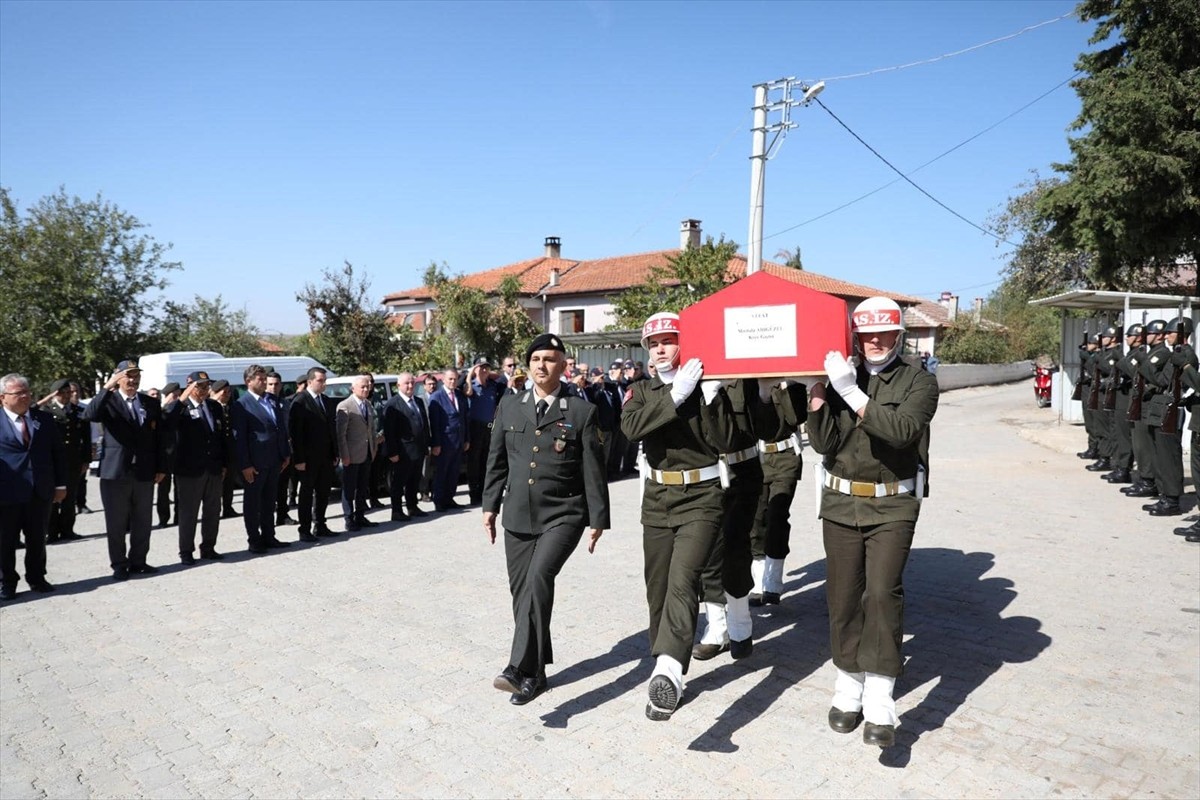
<point>1041,384</point>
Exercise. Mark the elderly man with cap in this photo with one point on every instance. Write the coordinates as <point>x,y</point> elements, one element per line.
<point>873,431</point>
<point>75,434</point>
<point>202,454</point>
<point>684,424</point>
<point>485,396</point>
<point>545,466</point>
<point>134,460</point>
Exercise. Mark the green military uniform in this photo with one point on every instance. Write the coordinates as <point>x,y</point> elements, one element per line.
<point>1191,380</point>
<point>75,432</point>
<point>1102,375</point>
<point>867,538</point>
<point>782,468</point>
<point>1164,370</point>
<point>1151,368</point>
<point>1086,370</point>
<point>680,521</point>
<point>549,475</point>
<point>1123,373</point>
<point>1141,438</point>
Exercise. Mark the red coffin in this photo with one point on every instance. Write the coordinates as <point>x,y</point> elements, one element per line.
<point>763,326</point>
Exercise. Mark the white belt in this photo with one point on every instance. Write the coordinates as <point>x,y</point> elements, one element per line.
<point>741,455</point>
<point>790,443</point>
<point>861,489</point>
<point>684,477</point>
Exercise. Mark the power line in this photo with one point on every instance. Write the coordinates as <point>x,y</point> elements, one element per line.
<point>964,142</point>
<point>944,56</point>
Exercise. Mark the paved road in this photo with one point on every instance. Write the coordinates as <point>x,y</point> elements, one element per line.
<point>1053,644</point>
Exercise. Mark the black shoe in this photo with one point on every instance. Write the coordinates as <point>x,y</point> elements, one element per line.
<point>325,533</point>
<point>121,573</point>
<point>377,504</point>
<point>844,721</point>
<point>275,544</point>
<point>84,510</point>
<point>210,555</point>
<point>1119,475</point>
<point>770,598</point>
<point>1192,537</point>
<point>43,586</point>
<point>1188,529</point>
<point>739,650</point>
<point>703,652</point>
<point>353,527</point>
<point>509,680</point>
<point>755,599</point>
<point>187,558</point>
<point>308,537</point>
<point>400,516</point>
<point>879,735</point>
<point>1147,490</point>
<point>142,569</point>
<point>1166,507</point>
<point>229,513</point>
<point>1088,454</point>
<point>53,540</point>
<point>259,548</point>
<point>363,522</point>
<point>284,519</point>
<point>20,545</point>
<point>8,592</point>
<point>413,511</point>
<point>531,687</point>
<point>1103,465</point>
<point>664,698</point>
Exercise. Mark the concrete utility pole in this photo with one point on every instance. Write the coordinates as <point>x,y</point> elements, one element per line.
<point>760,152</point>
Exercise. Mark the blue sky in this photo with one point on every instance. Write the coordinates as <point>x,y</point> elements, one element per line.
<point>269,141</point>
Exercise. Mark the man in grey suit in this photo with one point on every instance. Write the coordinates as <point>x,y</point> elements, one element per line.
<point>406,437</point>
<point>261,440</point>
<point>356,444</point>
<point>546,463</point>
<point>134,459</point>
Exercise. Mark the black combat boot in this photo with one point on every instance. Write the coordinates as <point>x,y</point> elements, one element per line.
<point>1165,507</point>
<point>1145,490</point>
<point>1190,530</point>
<point>1088,454</point>
<point>1100,466</point>
<point>1119,475</point>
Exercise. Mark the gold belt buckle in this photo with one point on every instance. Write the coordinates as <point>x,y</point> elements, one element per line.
<point>672,478</point>
<point>859,489</point>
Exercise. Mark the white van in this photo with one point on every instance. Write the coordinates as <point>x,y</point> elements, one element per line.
<point>159,369</point>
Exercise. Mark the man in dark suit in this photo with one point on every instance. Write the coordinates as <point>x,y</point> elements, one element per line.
<point>546,464</point>
<point>33,475</point>
<point>223,393</point>
<point>167,395</point>
<point>133,461</point>
<point>314,451</point>
<point>406,437</point>
<point>448,410</point>
<point>606,396</point>
<point>275,387</point>
<point>202,451</point>
<point>75,434</point>
<point>260,436</point>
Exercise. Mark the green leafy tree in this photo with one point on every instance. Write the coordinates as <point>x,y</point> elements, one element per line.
<point>692,275</point>
<point>212,325</point>
<point>967,342</point>
<point>1132,189</point>
<point>1029,331</point>
<point>346,333</point>
<point>790,258</point>
<point>80,285</point>
<point>475,322</point>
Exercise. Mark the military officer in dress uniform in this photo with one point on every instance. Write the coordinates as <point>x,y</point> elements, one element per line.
<point>546,465</point>
<point>1140,437</point>
<point>1145,444</point>
<point>683,426</point>
<point>1123,371</point>
<point>1103,365</point>
<point>873,431</point>
<point>75,433</point>
<point>1164,371</point>
<point>782,468</point>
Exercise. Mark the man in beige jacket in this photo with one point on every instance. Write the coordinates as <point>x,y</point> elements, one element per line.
<point>356,443</point>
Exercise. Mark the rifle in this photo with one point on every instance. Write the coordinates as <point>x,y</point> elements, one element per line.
<point>1139,386</point>
<point>1077,394</point>
<point>1110,393</point>
<point>1093,401</point>
<point>1170,421</point>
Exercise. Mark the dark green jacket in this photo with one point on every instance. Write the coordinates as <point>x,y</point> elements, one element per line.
<point>791,410</point>
<point>75,432</point>
<point>889,443</point>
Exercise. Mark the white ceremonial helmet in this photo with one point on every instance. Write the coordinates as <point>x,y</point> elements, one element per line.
<point>878,315</point>
<point>662,322</point>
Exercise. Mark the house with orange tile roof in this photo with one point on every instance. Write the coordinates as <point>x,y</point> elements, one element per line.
<point>569,296</point>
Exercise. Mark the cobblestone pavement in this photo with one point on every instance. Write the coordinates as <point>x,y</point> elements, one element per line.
<point>1052,635</point>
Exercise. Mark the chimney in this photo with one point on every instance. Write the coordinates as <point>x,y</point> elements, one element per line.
<point>689,234</point>
<point>554,277</point>
<point>978,309</point>
<point>553,247</point>
<point>949,301</point>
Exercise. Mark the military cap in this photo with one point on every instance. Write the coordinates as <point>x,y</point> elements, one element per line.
<point>519,373</point>
<point>1180,325</point>
<point>130,364</point>
<point>170,388</point>
<point>616,364</point>
<point>544,341</point>
<point>1156,326</point>
<point>1094,339</point>
<point>59,385</point>
<point>303,378</point>
<point>596,371</point>
<point>629,365</point>
<point>199,376</point>
<point>1112,332</point>
<point>482,362</point>
<point>219,385</point>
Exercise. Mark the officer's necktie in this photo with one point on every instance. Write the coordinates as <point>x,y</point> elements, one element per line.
<point>542,405</point>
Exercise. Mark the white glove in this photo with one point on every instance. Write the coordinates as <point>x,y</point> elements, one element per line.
<point>765,385</point>
<point>685,381</point>
<point>842,378</point>
<point>710,389</point>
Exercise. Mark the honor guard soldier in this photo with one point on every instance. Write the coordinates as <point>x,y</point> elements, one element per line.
<point>782,467</point>
<point>1124,371</point>
<point>1149,363</point>
<point>1191,379</point>
<point>683,427</point>
<point>873,431</point>
<point>75,433</point>
<point>546,466</point>
<point>1164,413</point>
<point>1087,368</point>
<point>1102,374</point>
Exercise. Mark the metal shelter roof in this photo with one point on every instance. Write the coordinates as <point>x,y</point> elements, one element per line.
<point>1097,300</point>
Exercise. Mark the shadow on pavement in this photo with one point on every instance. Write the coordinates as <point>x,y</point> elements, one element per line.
<point>959,638</point>
<point>633,649</point>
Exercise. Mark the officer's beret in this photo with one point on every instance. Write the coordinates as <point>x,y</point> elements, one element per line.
<point>129,363</point>
<point>199,376</point>
<point>1156,326</point>
<point>170,388</point>
<point>544,341</point>
<point>219,385</point>
<point>59,385</point>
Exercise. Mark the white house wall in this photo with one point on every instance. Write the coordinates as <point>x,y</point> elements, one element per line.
<point>597,312</point>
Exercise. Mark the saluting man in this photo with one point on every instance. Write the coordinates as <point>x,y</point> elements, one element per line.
<point>75,433</point>
<point>873,431</point>
<point>546,464</point>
